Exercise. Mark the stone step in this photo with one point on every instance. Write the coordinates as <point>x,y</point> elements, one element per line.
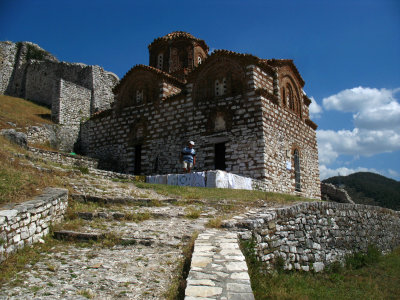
<point>96,236</point>
<point>218,269</point>
<point>126,200</point>
<point>122,216</point>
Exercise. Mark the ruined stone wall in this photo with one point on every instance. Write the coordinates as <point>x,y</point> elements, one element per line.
<point>8,52</point>
<point>19,56</point>
<point>330,192</point>
<point>30,72</point>
<point>310,236</point>
<point>25,223</point>
<point>43,79</point>
<point>102,85</point>
<point>73,105</point>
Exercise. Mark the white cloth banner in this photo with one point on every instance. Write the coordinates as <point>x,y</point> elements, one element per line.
<point>211,179</point>
<point>198,179</point>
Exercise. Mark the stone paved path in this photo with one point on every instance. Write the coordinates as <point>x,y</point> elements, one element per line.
<point>218,268</point>
<point>143,272</point>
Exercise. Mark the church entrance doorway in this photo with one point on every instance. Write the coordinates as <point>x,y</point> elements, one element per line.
<point>138,160</point>
<point>220,149</point>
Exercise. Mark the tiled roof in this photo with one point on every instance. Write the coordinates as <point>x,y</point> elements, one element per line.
<point>177,35</point>
<point>251,58</point>
<point>151,69</point>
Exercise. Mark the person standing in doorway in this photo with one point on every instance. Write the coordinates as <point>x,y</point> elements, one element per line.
<point>188,157</point>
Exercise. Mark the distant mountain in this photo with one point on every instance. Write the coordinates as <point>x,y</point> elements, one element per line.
<point>370,188</point>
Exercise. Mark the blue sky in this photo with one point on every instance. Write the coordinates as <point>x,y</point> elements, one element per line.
<point>348,52</point>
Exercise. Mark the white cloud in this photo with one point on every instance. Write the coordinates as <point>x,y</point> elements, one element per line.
<point>393,173</point>
<point>326,172</point>
<point>358,99</point>
<point>315,109</point>
<point>386,116</point>
<point>376,119</point>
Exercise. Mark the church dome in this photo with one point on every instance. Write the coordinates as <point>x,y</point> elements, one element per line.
<point>179,35</point>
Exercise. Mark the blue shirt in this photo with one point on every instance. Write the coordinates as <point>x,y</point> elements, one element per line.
<point>188,154</point>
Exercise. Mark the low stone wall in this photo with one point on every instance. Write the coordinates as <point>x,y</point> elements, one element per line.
<point>309,236</point>
<point>25,223</point>
<point>65,159</point>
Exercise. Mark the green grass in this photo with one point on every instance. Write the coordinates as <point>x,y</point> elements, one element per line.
<point>22,112</point>
<point>186,192</point>
<point>19,181</point>
<point>364,277</point>
<point>19,261</point>
<point>177,284</point>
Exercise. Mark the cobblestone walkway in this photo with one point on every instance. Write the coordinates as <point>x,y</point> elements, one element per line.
<point>218,268</point>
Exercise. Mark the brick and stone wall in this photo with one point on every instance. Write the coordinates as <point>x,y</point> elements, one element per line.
<point>310,236</point>
<point>259,135</point>
<point>25,223</point>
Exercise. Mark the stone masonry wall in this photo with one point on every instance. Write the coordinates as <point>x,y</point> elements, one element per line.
<point>8,52</point>
<point>73,105</point>
<point>43,79</point>
<point>102,84</point>
<point>284,132</point>
<point>310,236</point>
<point>25,223</point>
<point>167,129</point>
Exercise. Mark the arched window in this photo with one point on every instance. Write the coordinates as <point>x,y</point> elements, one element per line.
<point>139,96</point>
<point>220,87</point>
<point>284,97</point>
<point>199,60</point>
<point>160,60</point>
<point>290,97</point>
<point>296,159</point>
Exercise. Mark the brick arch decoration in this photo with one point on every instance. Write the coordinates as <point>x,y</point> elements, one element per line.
<point>289,89</point>
<point>140,81</point>
<point>199,52</point>
<point>220,67</point>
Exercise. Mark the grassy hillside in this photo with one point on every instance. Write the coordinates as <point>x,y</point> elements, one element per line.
<point>22,113</point>
<point>370,188</point>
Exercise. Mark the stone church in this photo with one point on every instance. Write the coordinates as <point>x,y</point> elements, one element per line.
<point>247,115</point>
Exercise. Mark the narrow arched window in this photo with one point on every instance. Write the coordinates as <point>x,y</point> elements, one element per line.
<point>160,60</point>
<point>199,60</point>
<point>220,87</point>
<point>139,96</point>
<point>290,97</point>
<point>284,97</point>
<point>296,159</point>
